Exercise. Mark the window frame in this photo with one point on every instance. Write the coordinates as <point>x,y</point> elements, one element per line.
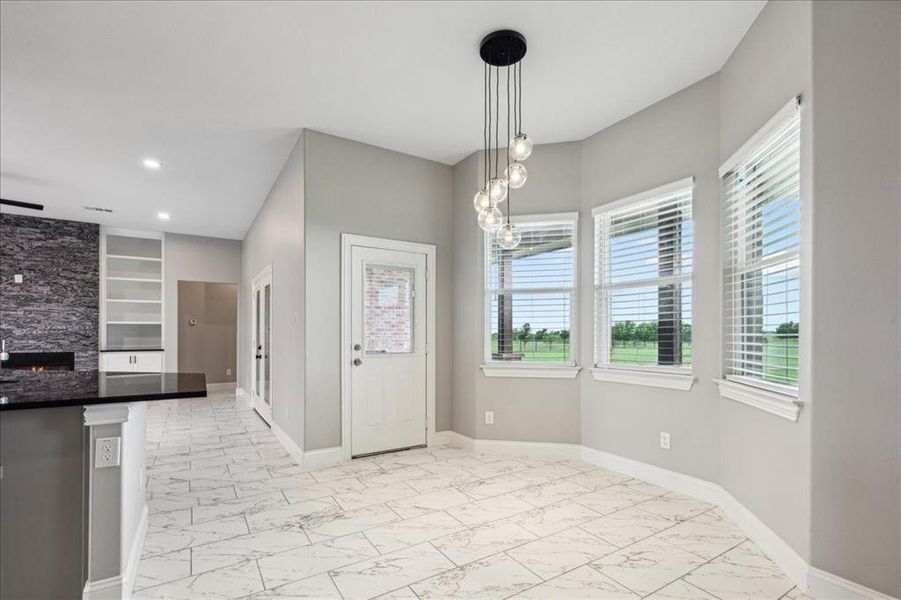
<point>551,370</point>
<point>779,399</point>
<point>673,377</point>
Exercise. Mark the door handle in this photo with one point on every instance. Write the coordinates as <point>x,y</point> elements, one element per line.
<point>358,362</point>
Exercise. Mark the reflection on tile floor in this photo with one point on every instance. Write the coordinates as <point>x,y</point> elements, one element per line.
<point>233,516</point>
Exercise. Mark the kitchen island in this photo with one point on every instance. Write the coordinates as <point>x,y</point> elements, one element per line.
<point>72,450</point>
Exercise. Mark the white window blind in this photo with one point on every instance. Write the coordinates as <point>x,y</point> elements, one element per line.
<point>762,241</point>
<point>643,265</point>
<point>529,292</point>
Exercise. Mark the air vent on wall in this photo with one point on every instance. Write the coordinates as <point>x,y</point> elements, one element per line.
<point>98,209</point>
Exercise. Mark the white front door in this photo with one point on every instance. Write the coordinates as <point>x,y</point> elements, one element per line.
<point>388,337</point>
<point>261,309</point>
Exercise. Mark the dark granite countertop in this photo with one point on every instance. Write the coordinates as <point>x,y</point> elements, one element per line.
<point>25,389</point>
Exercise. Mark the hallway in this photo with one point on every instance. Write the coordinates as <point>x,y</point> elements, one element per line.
<point>233,516</point>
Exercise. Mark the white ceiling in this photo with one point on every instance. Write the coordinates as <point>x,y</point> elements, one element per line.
<point>219,90</point>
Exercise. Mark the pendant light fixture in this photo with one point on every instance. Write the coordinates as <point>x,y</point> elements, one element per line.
<point>502,52</point>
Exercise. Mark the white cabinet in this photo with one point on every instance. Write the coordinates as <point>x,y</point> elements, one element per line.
<point>132,362</point>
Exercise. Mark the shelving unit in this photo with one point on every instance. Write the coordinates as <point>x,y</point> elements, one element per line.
<point>131,265</point>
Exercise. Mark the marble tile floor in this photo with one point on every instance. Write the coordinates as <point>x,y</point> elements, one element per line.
<point>232,516</point>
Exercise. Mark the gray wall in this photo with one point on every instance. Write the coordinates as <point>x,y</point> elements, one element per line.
<point>544,410</point>
<point>40,497</point>
<point>764,460</point>
<point>356,188</point>
<point>210,344</point>
<point>194,258</point>
<point>56,308</point>
<point>675,138</point>
<point>276,238</point>
<point>856,404</point>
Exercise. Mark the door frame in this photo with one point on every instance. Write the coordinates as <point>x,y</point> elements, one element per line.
<point>265,274</point>
<point>348,241</point>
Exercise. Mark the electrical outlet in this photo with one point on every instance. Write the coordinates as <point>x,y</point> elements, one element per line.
<point>664,440</point>
<point>107,452</point>
<point>228,371</point>
<point>17,278</point>
<point>489,417</point>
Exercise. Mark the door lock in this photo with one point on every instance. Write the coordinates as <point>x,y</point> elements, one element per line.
<point>357,347</point>
<point>358,362</point>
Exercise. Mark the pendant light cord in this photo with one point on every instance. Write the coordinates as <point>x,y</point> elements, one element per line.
<point>507,172</point>
<point>497,115</point>
<point>485,126</point>
<point>519,96</point>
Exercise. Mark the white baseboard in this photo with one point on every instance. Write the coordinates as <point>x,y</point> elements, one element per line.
<point>213,388</point>
<point>823,585</point>
<point>111,588</point>
<point>292,448</point>
<point>242,396</point>
<point>322,458</point>
<point>134,555</point>
<point>537,449</point>
<point>679,482</point>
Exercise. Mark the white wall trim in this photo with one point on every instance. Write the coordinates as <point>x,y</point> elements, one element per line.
<point>242,396</point>
<point>290,446</point>
<point>348,241</point>
<point>530,371</point>
<point>778,550</point>
<point>322,457</point>
<point>673,381</point>
<point>106,414</point>
<point>221,387</point>
<point>540,449</point>
<point>134,555</point>
<point>774,403</point>
<point>823,585</point>
<point>663,190</point>
<point>111,588</point>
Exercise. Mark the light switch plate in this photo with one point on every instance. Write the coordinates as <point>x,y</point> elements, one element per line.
<point>17,278</point>
<point>107,452</point>
<point>489,417</point>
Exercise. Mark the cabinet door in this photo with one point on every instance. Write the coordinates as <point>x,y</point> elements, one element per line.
<point>148,362</point>
<point>116,361</point>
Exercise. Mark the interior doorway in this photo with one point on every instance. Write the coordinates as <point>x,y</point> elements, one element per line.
<point>261,334</point>
<point>208,331</point>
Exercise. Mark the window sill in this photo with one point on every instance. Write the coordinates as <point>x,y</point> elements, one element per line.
<point>673,381</point>
<point>781,405</point>
<point>530,371</point>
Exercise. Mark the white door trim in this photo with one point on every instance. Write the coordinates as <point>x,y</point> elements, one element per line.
<point>264,412</point>
<point>347,242</point>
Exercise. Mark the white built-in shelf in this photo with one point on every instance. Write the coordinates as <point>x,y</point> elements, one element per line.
<point>134,279</point>
<point>128,257</point>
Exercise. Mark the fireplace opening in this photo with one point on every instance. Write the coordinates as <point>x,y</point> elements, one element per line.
<point>40,361</point>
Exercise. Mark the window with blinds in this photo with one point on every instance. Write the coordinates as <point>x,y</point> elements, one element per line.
<point>643,264</point>
<point>761,251</point>
<point>530,292</point>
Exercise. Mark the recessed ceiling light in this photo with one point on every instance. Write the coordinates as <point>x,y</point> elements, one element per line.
<point>163,216</point>
<point>152,164</point>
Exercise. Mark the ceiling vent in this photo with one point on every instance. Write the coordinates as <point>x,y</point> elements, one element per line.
<point>98,209</point>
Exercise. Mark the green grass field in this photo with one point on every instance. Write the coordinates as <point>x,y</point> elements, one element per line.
<point>780,356</point>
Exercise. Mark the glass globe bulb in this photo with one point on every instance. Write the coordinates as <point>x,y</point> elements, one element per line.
<point>482,201</point>
<point>520,147</point>
<point>490,219</point>
<point>509,236</point>
<point>497,190</point>
<point>516,175</point>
